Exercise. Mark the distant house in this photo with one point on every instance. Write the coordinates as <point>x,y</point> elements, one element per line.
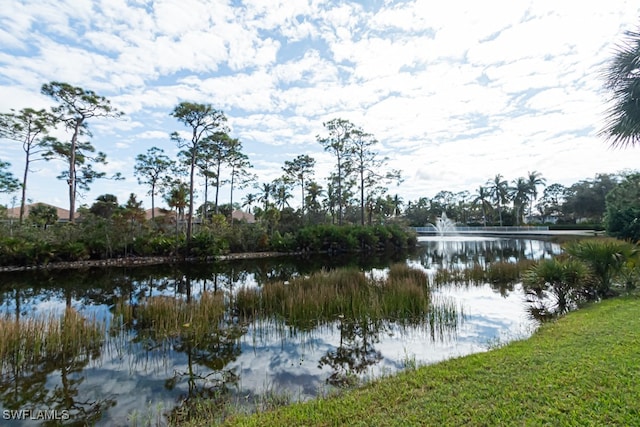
<point>243,216</point>
<point>158,212</point>
<point>63,214</point>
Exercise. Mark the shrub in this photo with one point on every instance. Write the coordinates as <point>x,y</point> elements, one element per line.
<point>606,259</point>
<point>366,238</point>
<point>206,243</point>
<point>562,281</point>
<point>71,251</point>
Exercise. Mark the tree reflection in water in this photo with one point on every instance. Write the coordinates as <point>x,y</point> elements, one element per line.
<point>355,353</point>
<point>52,350</point>
<point>199,328</point>
<point>189,359</point>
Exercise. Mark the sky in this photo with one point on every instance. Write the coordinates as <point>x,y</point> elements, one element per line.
<point>455,92</point>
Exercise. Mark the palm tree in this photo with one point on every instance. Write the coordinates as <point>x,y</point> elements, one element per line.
<point>314,192</point>
<point>281,193</point>
<point>482,197</point>
<point>397,203</point>
<point>519,194</point>
<point>499,190</point>
<point>534,179</point>
<point>178,198</point>
<point>265,196</point>
<point>248,201</point>
<point>622,79</point>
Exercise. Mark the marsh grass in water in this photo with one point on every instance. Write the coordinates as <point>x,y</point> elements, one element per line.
<point>162,317</point>
<point>496,273</point>
<point>30,341</point>
<point>307,302</point>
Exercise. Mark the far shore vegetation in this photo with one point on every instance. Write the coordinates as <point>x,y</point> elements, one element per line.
<point>357,207</point>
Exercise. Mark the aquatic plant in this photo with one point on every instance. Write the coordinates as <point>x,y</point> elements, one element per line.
<point>31,341</point>
<point>500,273</point>
<point>162,317</point>
<point>402,296</point>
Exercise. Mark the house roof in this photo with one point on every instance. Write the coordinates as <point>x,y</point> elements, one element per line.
<point>243,216</point>
<point>158,212</point>
<point>63,214</point>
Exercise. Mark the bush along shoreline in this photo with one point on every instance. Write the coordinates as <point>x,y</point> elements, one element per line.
<point>75,246</point>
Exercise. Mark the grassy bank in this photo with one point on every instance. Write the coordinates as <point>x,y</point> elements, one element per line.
<point>580,370</point>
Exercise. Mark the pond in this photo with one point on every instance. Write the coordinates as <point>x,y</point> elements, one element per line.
<point>132,367</point>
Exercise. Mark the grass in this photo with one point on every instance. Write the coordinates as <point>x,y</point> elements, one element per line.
<point>163,317</point>
<point>31,341</point>
<point>307,301</point>
<point>580,370</point>
<point>497,273</point>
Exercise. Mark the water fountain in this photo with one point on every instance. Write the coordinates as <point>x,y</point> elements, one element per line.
<point>447,239</point>
<point>444,226</point>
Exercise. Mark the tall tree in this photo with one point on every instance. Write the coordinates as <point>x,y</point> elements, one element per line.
<point>499,190</point>
<point>519,194</point>
<point>75,107</point>
<point>281,192</point>
<point>209,160</point>
<point>8,183</point>
<point>534,179</point>
<point>82,168</point>
<point>339,143</point>
<point>300,169</point>
<point>202,120</point>
<point>152,169</point>
<point>622,80</point>
<point>267,192</point>
<point>482,198</point>
<point>314,207</point>
<point>462,199</point>
<point>132,211</point>
<point>550,204</point>
<point>29,127</point>
<point>178,198</point>
<point>368,166</point>
<point>585,200</point>
<point>249,200</point>
<point>623,209</point>
<point>239,170</point>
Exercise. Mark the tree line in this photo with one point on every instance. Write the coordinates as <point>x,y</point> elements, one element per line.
<point>524,200</point>
<point>356,190</point>
<point>206,151</point>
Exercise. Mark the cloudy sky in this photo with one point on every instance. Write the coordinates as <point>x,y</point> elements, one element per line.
<point>455,92</point>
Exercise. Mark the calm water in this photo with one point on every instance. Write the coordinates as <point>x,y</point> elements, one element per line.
<point>131,375</point>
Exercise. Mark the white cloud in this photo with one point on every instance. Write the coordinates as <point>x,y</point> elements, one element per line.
<point>457,92</point>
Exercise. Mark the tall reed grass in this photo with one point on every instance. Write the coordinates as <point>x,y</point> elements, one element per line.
<point>498,273</point>
<point>307,302</point>
<point>162,317</point>
<point>31,341</point>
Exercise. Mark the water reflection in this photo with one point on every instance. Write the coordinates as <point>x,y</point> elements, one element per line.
<point>45,368</point>
<point>242,357</point>
<point>464,251</point>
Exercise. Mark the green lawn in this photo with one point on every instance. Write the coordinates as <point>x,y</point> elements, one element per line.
<point>582,370</point>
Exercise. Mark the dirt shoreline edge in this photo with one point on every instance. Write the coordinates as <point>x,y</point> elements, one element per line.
<point>140,261</point>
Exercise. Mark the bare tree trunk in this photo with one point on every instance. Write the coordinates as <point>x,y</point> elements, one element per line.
<point>72,171</point>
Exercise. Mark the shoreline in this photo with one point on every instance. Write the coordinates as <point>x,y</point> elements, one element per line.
<point>139,261</point>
